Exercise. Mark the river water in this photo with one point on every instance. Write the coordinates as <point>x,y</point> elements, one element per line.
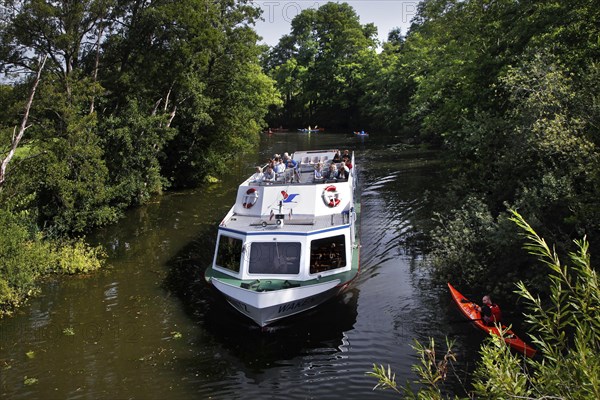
<point>148,327</point>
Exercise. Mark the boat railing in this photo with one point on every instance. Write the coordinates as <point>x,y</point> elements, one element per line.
<point>303,174</point>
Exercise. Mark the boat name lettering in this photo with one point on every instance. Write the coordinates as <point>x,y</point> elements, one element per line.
<point>295,304</point>
<point>238,304</point>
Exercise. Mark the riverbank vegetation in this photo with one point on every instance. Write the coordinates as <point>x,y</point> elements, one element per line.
<point>134,97</point>
<point>567,336</point>
<point>508,89</point>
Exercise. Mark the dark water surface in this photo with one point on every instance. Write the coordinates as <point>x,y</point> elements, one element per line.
<point>147,327</point>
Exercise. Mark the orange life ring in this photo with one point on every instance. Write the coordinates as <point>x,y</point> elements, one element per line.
<point>250,198</point>
<point>331,196</point>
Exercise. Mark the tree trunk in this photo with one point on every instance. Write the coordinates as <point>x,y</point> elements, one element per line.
<point>17,139</point>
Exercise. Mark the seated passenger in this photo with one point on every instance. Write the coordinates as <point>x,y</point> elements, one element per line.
<point>347,162</point>
<point>278,166</point>
<point>318,172</point>
<point>331,172</point>
<point>337,158</point>
<point>342,172</point>
<point>269,175</point>
<point>258,175</point>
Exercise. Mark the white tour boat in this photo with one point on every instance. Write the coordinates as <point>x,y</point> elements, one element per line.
<point>290,244</point>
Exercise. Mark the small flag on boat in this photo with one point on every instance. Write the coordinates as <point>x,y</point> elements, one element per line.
<point>271,216</point>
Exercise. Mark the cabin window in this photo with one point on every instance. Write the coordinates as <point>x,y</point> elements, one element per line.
<point>229,253</point>
<point>274,258</point>
<point>327,254</point>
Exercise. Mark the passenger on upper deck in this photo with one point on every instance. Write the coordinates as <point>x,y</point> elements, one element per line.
<point>346,154</point>
<point>291,170</point>
<point>278,167</point>
<point>337,158</point>
<point>291,163</point>
<point>269,175</point>
<point>342,172</point>
<point>331,172</point>
<point>258,175</point>
<point>319,171</point>
<point>347,161</point>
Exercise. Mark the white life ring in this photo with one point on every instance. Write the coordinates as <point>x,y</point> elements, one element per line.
<point>331,196</point>
<point>250,198</point>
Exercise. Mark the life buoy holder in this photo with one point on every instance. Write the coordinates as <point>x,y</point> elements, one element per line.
<point>250,198</point>
<point>331,196</point>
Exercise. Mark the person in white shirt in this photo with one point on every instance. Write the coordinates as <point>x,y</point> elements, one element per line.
<point>258,175</point>
<point>319,171</point>
<point>269,175</point>
<point>279,167</point>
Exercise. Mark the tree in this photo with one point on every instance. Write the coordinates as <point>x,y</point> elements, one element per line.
<point>18,136</point>
<point>139,96</point>
<point>328,53</point>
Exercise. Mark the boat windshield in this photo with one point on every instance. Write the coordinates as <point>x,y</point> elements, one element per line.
<point>229,253</point>
<point>274,258</point>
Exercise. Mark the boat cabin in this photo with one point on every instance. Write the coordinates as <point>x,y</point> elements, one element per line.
<point>295,228</point>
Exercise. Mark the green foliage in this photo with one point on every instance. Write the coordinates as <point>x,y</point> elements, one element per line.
<point>464,252</point>
<point>517,115</point>
<point>134,99</point>
<point>25,256</point>
<point>133,143</point>
<point>78,257</point>
<point>431,371</point>
<point>499,373</point>
<point>28,381</point>
<point>564,328</point>
<point>321,66</point>
<point>386,378</point>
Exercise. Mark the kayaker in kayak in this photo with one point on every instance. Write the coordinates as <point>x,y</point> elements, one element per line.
<point>490,312</point>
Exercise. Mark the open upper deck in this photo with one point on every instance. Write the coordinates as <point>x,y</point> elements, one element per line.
<point>304,172</point>
<point>301,202</point>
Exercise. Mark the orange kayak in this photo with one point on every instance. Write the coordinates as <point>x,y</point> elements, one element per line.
<point>468,308</point>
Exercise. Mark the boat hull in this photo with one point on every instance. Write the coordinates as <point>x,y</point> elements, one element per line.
<point>267,307</point>
<point>469,310</point>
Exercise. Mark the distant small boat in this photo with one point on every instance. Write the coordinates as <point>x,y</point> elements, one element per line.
<point>307,130</point>
<point>361,133</point>
<point>469,310</point>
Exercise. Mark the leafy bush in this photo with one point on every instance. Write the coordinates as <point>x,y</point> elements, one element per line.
<point>25,256</point>
<point>460,244</point>
<point>79,257</point>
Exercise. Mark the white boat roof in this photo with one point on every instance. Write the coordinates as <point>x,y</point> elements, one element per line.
<point>303,205</point>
